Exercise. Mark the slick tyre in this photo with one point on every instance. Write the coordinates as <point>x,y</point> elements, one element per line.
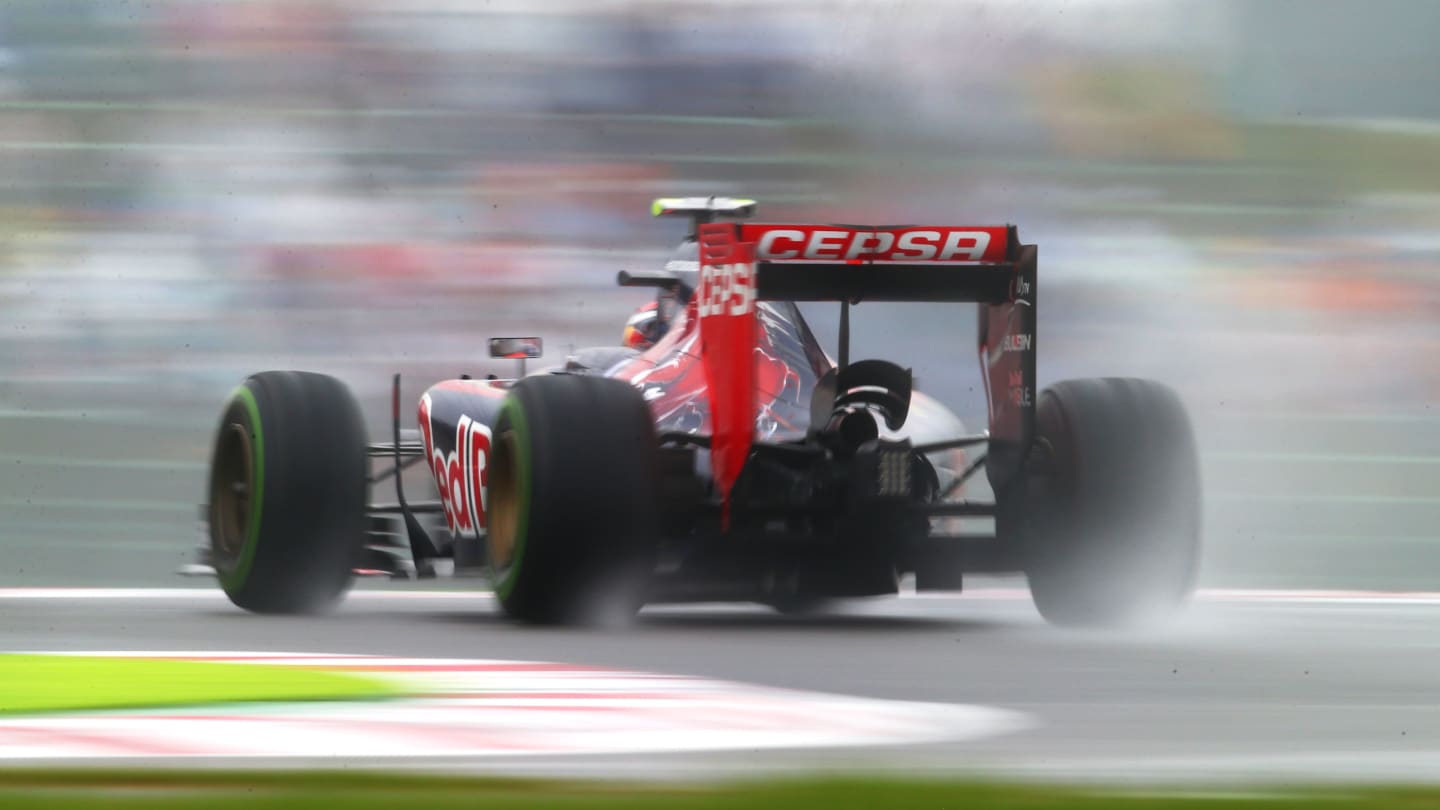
<point>572,500</point>
<point>288,493</point>
<point>1112,524</point>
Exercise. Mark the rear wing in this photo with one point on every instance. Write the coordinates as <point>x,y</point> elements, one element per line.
<point>899,263</point>
<point>741,263</point>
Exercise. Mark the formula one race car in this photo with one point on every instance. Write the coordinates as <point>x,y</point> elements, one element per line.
<point>723,455</point>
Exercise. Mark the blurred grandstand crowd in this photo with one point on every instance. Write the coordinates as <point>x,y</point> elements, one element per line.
<point>194,187</point>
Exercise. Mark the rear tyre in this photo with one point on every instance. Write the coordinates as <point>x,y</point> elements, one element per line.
<point>573,500</point>
<point>1113,507</point>
<point>288,493</point>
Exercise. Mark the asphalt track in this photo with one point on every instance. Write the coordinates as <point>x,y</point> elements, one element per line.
<point>1246,686</point>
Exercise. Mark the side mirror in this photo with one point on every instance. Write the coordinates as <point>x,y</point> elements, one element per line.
<point>516,348</point>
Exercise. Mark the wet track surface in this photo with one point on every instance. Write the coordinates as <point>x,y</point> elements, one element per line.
<point>1242,687</point>
<point>1280,690</point>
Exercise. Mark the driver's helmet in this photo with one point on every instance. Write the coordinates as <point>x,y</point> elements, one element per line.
<point>644,328</point>
<point>652,321</point>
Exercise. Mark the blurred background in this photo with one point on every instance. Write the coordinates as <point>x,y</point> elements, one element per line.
<point>1238,197</point>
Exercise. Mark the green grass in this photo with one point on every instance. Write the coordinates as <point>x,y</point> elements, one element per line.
<point>56,683</point>
<point>356,791</point>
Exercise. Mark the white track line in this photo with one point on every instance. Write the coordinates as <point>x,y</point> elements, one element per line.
<point>1218,595</point>
<point>491,708</point>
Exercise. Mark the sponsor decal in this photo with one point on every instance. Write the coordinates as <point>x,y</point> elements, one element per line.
<point>1020,393</point>
<point>462,474</point>
<point>727,289</point>
<point>1017,343</point>
<point>831,244</point>
<point>1020,289</point>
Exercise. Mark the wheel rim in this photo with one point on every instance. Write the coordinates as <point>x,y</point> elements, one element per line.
<point>504,504</point>
<point>231,492</point>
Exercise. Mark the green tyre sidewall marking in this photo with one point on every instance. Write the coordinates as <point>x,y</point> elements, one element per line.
<point>234,579</point>
<point>511,407</point>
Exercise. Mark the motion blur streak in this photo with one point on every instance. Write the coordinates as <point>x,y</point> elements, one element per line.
<point>191,191</point>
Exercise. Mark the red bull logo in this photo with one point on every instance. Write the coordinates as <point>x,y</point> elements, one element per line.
<point>462,475</point>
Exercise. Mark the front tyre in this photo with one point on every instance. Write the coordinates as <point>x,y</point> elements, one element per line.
<point>573,500</point>
<point>288,492</point>
<point>1113,508</point>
